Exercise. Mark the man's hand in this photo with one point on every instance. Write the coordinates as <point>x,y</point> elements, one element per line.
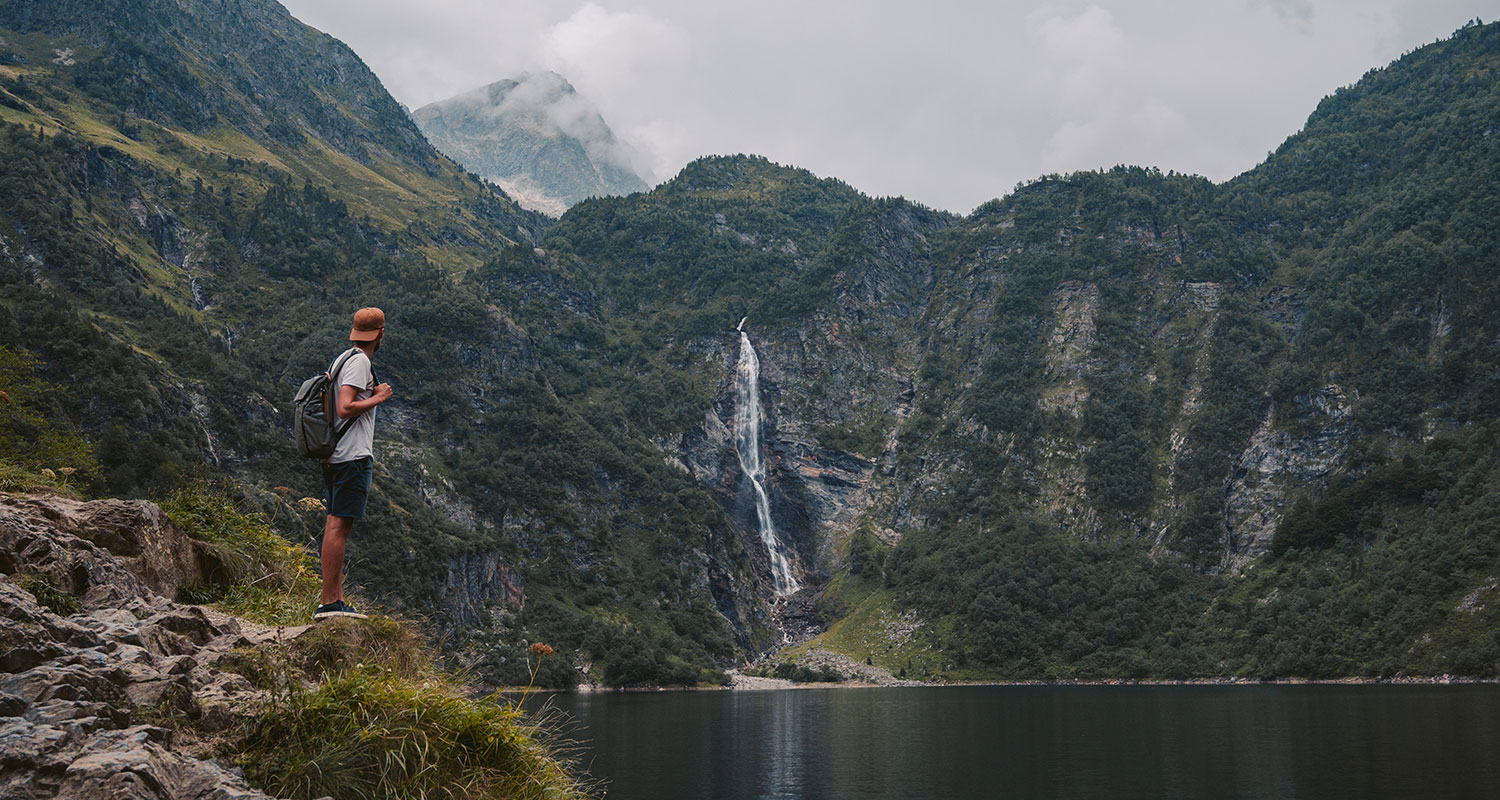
<point>382,393</point>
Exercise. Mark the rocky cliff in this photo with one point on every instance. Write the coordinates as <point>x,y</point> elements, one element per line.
<point>97,664</point>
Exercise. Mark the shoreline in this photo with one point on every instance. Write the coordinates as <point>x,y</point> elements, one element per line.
<point>739,682</point>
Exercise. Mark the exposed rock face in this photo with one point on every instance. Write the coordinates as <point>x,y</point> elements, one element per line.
<point>75,690</point>
<point>478,582</point>
<point>1275,460</point>
<point>848,367</point>
<point>1068,348</point>
<point>105,552</point>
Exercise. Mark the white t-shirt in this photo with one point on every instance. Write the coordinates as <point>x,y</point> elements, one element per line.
<point>359,440</point>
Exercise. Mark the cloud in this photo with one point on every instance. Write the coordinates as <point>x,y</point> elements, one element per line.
<point>1090,35</point>
<point>949,102</point>
<point>1204,88</point>
<point>1300,11</point>
<point>1082,50</point>
<point>619,55</point>
<point>612,50</point>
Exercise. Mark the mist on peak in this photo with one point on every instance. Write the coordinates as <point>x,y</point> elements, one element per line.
<point>537,138</point>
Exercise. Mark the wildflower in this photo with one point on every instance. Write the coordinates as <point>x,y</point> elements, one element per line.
<point>50,475</point>
<point>542,651</point>
<point>5,398</point>
<point>283,490</point>
<point>311,504</point>
<point>66,471</point>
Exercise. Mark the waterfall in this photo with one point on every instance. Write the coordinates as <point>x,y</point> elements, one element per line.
<point>747,442</point>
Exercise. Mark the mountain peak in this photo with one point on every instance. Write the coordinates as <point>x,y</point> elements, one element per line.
<point>546,86</point>
<point>535,136</point>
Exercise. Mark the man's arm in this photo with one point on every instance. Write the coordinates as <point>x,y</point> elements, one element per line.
<point>349,408</point>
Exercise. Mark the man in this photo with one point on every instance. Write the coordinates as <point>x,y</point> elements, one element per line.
<point>346,475</point>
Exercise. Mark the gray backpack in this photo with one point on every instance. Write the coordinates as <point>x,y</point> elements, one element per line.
<point>314,410</point>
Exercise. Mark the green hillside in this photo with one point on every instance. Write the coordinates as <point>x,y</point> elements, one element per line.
<point>1155,427</point>
<point>182,255</point>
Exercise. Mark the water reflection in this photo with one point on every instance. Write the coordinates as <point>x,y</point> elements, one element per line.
<point>1046,742</point>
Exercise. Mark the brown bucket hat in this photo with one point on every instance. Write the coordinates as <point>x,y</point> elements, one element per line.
<point>368,323</point>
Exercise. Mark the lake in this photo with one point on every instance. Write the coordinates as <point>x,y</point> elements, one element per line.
<point>1323,741</point>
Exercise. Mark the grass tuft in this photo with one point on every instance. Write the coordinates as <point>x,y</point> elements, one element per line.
<point>48,594</point>
<point>260,576</point>
<point>361,734</point>
<point>381,721</point>
<point>337,646</point>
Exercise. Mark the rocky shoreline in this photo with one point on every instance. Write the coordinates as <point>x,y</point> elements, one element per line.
<point>741,681</point>
<point>864,676</point>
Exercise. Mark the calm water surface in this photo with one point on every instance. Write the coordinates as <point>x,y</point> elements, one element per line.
<point>1044,742</point>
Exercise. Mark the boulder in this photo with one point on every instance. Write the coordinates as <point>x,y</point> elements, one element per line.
<point>104,551</point>
<point>135,763</point>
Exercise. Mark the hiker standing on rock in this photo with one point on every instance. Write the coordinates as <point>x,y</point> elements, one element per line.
<point>347,473</point>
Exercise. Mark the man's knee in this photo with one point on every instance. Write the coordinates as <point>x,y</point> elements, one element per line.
<point>338,526</point>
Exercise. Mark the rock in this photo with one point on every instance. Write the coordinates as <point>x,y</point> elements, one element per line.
<point>69,687</point>
<point>23,622</point>
<point>150,693</point>
<point>11,706</point>
<point>186,621</point>
<point>51,682</point>
<point>175,632</point>
<point>26,744</point>
<point>1275,459</point>
<point>178,665</point>
<point>134,763</point>
<point>105,552</point>
<point>60,712</point>
<point>476,582</point>
<point>20,659</point>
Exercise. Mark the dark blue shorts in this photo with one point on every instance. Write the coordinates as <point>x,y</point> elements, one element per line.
<point>348,485</point>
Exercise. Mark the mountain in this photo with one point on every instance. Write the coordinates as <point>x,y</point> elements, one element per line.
<point>1114,424</point>
<point>1123,423</point>
<point>195,197</point>
<point>536,138</point>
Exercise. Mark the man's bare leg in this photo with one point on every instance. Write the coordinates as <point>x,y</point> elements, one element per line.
<point>335,534</point>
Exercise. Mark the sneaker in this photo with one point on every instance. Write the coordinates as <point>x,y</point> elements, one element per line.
<point>337,608</point>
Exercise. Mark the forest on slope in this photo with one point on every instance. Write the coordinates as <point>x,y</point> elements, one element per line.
<point>1113,424</point>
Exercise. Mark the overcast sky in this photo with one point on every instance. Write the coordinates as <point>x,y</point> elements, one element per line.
<point>947,102</point>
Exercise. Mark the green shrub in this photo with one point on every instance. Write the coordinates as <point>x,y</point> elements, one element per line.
<point>801,673</point>
<point>37,444</point>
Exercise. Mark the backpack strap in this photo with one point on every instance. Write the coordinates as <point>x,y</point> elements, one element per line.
<point>338,389</point>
